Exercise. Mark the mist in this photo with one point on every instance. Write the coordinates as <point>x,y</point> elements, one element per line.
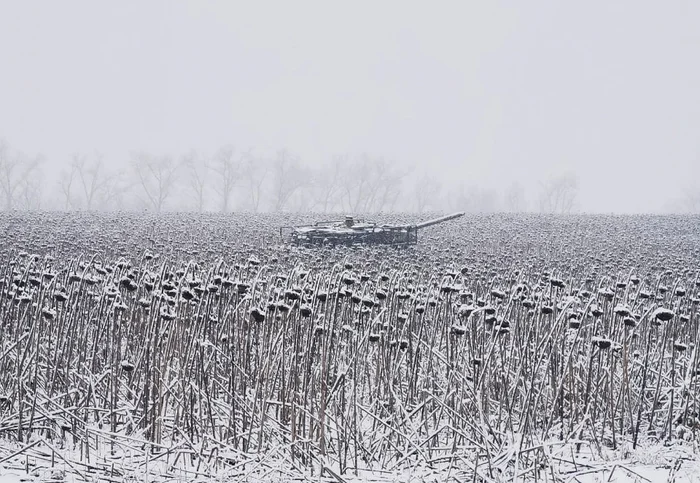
<point>489,106</point>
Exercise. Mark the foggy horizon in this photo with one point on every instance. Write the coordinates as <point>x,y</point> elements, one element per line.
<point>480,96</point>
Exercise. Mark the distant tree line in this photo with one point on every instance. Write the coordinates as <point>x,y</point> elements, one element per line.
<point>241,180</point>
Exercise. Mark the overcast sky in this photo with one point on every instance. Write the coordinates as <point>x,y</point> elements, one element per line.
<point>487,91</point>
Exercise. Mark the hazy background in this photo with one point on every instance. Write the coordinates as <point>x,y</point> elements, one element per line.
<point>484,93</point>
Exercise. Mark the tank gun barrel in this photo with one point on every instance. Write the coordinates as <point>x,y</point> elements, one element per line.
<point>442,219</point>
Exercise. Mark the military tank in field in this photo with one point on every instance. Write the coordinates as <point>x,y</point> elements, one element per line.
<point>357,232</point>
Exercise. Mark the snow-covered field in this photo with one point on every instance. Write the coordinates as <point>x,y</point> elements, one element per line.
<point>500,348</point>
<point>656,463</point>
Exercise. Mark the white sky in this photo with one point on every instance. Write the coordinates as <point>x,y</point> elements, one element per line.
<point>486,91</point>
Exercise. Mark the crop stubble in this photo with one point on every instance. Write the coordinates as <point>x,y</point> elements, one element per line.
<point>199,343</point>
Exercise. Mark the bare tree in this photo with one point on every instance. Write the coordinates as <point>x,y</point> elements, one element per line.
<point>426,192</point>
<point>65,181</point>
<point>17,176</point>
<point>357,184</point>
<point>558,194</point>
<point>303,200</point>
<point>371,185</point>
<point>197,177</point>
<point>387,186</point>
<point>30,192</point>
<point>227,169</point>
<point>157,176</point>
<point>113,192</point>
<point>97,186</point>
<point>94,178</point>
<point>255,170</point>
<point>288,176</point>
<point>515,198</point>
<point>327,183</point>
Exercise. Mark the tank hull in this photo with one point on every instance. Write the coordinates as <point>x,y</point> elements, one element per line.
<point>349,232</point>
<point>399,235</point>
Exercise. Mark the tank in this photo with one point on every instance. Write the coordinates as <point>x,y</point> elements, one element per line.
<point>357,232</point>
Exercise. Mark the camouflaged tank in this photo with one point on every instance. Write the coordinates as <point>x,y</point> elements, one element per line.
<point>356,232</point>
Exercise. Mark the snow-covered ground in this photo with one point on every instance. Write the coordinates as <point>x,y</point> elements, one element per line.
<point>654,463</point>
